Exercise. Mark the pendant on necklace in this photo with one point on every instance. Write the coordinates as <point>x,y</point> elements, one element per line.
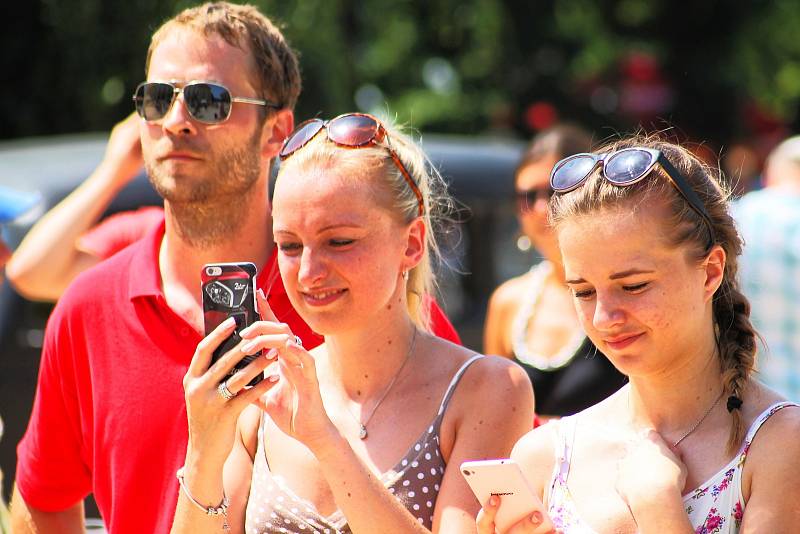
<point>363,433</point>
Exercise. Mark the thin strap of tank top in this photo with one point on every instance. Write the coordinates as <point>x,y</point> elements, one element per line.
<point>566,435</point>
<point>760,420</point>
<point>450,389</point>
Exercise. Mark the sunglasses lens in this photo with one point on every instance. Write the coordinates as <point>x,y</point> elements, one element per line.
<point>572,172</point>
<point>207,102</point>
<point>153,100</point>
<point>352,130</point>
<point>627,166</point>
<point>301,136</point>
<point>527,199</point>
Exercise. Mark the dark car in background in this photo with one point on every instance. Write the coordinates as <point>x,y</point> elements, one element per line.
<point>480,248</point>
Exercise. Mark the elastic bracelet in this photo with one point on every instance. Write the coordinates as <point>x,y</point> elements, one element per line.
<point>734,403</point>
<point>222,509</point>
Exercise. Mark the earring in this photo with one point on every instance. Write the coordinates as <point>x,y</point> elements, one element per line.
<point>405,275</point>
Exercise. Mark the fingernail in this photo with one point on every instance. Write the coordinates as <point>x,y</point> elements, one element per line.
<point>246,331</point>
<point>229,322</point>
<point>494,500</point>
<point>273,378</point>
<point>536,518</point>
<point>261,293</point>
<point>271,354</point>
<point>248,347</point>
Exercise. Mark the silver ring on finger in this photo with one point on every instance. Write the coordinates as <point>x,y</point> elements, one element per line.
<point>224,392</point>
<point>298,341</point>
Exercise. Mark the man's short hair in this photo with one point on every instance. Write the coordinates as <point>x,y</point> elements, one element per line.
<point>246,28</point>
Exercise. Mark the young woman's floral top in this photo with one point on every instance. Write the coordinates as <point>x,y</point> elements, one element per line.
<point>715,507</point>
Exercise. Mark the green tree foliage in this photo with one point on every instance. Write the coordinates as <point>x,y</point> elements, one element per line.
<point>464,66</point>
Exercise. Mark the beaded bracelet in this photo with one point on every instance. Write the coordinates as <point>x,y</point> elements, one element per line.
<point>222,509</point>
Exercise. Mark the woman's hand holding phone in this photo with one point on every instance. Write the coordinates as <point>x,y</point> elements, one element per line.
<point>509,504</point>
<point>534,523</point>
<point>295,404</point>
<point>212,418</point>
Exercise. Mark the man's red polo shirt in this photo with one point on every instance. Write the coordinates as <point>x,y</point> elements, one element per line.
<point>109,414</point>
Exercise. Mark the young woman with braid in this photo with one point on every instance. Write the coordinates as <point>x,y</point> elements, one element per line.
<point>693,443</point>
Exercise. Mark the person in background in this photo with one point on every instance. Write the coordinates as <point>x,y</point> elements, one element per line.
<point>741,165</point>
<point>531,318</point>
<point>68,240</point>
<point>769,221</point>
<point>693,443</point>
<point>366,432</point>
<point>13,204</point>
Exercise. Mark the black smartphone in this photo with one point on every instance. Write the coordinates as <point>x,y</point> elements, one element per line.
<point>229,290</point>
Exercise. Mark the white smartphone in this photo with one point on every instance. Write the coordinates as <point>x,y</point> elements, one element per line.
<point>504,478</point>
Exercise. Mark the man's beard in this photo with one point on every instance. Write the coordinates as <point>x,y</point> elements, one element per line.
<point>208,210</point>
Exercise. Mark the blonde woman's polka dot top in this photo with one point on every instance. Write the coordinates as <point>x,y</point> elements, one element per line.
<point>415,481</point>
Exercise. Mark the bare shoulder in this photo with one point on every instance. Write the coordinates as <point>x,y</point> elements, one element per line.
<point>536,454</point>
<point>771,476</point>
<point>757,399</point>
<point>496,381</point>
<point>770,444</point>
<point>492,387</point>
<point>507,296</point>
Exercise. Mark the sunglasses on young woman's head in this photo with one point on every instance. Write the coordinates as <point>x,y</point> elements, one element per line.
<point>206,102</point>
<point>622,168</point>
<point>351,130</point>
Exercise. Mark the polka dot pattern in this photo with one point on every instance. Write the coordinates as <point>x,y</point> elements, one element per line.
<point>414,481</point>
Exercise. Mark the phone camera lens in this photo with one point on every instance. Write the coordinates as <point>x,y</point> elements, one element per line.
<point>467,472</point>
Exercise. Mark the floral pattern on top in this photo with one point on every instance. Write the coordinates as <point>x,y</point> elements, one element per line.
<point>715,507</point>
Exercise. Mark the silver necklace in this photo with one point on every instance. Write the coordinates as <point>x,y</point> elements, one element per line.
<point>362,433</point>
<point>699,421</point>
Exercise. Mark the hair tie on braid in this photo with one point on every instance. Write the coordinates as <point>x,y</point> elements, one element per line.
<point>734,403</point>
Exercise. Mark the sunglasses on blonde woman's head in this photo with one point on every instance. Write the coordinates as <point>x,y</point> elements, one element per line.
<point>351,130</point>
<point>623,168</point>
<point>206,102</point>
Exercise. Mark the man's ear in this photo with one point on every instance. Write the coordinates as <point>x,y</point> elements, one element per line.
<point>714,267</point>
<point>415,244</point>
<point>277,128</point>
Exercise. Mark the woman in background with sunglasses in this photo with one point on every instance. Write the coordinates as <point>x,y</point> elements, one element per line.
<point>531,319</point>
<point>366,432</point>
<point>694,443</point>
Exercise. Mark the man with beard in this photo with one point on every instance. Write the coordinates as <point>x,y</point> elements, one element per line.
<point>109,415</point>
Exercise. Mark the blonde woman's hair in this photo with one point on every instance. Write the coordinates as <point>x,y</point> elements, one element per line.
<point>376,161</point>
<point>735,335</point>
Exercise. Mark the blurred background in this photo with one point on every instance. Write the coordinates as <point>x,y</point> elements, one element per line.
<point>722,73</point>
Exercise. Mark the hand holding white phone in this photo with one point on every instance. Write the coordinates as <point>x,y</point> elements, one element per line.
<point>504,478</point>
